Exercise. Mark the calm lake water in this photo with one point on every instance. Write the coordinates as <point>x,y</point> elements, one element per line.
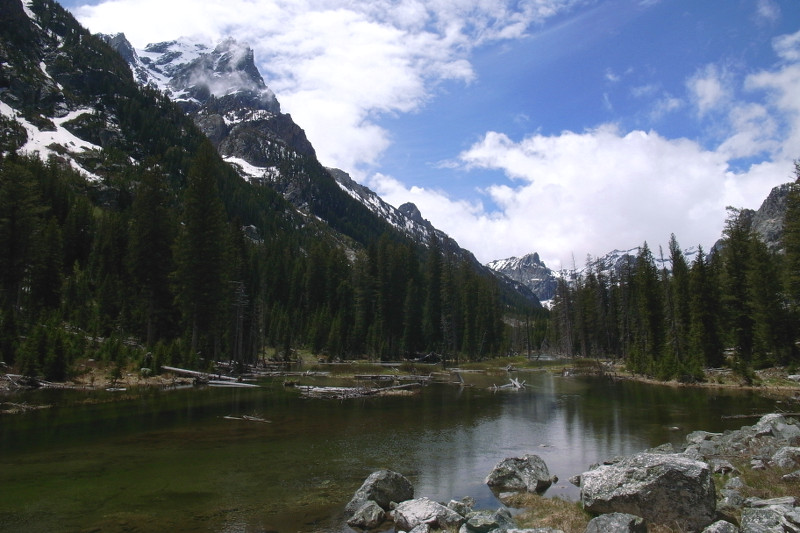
<point>170,461</point>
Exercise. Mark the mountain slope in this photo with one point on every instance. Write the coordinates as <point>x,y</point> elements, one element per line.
<point>126,237</point>
<point>221,89</point>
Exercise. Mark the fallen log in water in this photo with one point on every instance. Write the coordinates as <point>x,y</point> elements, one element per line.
<point>513,384</point>
<point>197,374</point>
<point>217,383</point>
<point>248,418</point>
<point>344,393</point>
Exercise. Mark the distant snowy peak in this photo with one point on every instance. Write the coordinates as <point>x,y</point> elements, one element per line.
<point>531,271</point>
<point>190,70</point>
<point>406,219</point>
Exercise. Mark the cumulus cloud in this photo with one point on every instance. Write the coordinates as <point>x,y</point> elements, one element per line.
<point>605,188</point>
<point>338,65</point>
<point>709,88</point>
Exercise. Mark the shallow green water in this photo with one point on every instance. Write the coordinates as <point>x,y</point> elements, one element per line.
<point>170,461</point>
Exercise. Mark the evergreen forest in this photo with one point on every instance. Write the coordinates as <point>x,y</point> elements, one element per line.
<point>736,306</point>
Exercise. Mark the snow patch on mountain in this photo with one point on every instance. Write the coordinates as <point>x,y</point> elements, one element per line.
<point>252,173</point>
<point>56,142</point>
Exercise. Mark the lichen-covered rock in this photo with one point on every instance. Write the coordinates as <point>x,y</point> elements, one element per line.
<point>462,507</point>
<point>411,513</point>
<point>521,474</point>
<point>666,489</point>
<point>487,521</point>
<point>763,520</point>
<point>617,523</point>
<point>368,516</point>
<point>786,457</point>
<point>721,526</point>
<point>382,487</point>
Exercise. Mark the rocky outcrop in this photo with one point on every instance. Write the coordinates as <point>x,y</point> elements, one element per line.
<point>663,488</point>
<point>522,474</point>
<point>383,487</point>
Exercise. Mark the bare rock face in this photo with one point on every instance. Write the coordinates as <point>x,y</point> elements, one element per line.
<point>664,489</point>
<point>521,474</point>
<point>382,487</point>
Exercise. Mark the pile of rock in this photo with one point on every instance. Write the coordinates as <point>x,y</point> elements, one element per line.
<point>387,495</point>
<point>661,486</point>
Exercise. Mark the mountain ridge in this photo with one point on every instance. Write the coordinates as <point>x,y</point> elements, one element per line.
<point>223,91</point>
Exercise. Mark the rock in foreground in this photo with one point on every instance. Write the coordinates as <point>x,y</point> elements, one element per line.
<point>413,513</point>
<point>526,474</point>
<point>667,489</point>
<point>382,487</point>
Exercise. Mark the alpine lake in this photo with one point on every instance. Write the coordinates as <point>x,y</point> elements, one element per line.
<point>144,459</point>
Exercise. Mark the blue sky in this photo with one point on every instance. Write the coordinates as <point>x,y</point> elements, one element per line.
<point>564,127</point>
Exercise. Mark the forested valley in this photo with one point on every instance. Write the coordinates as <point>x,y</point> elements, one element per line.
<point>165,255</point>
<point>737,305</point>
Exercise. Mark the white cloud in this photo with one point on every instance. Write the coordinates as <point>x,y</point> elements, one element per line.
<point>768,10</point>
<point>709,89</point>
<point>788,46</point>
<point>593,191</point>
<point>337,65</point>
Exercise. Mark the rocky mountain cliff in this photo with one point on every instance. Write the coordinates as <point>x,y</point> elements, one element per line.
<point>531,271</point>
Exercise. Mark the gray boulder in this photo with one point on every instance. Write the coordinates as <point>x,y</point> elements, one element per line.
<point>411,513</point>
<point>764,520</point>
<point>786,457</point>
<point>368,516</point>
<point>535,530</point>
<point>721,526</point>
<point>664,489</point>
<point>776,425</point>
<point>462,507</point>
<point>617,523</point>
<point>528,473</point>
<point>487,521</point>
<point>382,487</point>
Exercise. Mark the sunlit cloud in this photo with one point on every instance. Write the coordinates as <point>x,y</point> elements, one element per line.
<point>605,188</point>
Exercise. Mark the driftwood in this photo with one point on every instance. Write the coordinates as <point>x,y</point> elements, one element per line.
<point>248,418</point>
<point>512,384</point>
<point>204,378</point>
<point>217,383</point>
<point>732,417</point>
<point>344,393</point>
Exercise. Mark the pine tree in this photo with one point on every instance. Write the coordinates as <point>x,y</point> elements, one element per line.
<point>649,329</point>
<point>791,260</point>
<point>20,209</point>
<point>150,254</point>
<point>705,344</point>
<point>200,255</point>
<point>677,310</point>
<point>736,292</point>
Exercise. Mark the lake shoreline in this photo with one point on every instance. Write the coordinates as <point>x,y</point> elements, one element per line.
<point>96,376</point>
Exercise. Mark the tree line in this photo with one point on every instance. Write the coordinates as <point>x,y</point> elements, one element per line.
<point>146,271</point>
<point>738,305</point>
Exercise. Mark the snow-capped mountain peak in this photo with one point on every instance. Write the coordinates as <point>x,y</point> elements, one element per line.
<point>190,69</point>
